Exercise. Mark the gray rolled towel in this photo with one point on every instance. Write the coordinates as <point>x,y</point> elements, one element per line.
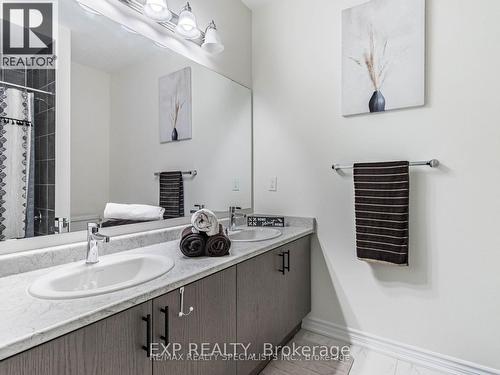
<point>218,245</point>
<point>193,243</point>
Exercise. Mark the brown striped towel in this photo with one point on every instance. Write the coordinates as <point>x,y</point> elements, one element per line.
<point>172,194</point>
<point>381,193</point>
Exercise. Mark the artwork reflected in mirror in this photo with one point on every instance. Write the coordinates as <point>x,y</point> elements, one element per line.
<point>175,106</point>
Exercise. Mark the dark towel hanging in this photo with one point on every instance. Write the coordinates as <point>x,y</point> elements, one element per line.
<point>172,194</point>
<point>382,193</point>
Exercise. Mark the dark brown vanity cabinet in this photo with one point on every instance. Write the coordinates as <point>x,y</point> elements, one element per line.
<point>298,282</point>
<point>109,347</point>
<point>212,321</point>
<point>260,300</point>
<point>273,296</point>
<point>117,345</point>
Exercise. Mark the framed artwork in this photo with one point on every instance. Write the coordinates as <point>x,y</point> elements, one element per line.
<point>383,56</point>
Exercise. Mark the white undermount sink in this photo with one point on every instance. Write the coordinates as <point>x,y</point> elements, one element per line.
<point>112,273</point>
<point>253,234</point>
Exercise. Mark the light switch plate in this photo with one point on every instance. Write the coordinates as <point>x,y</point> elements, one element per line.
<point>273,184</point>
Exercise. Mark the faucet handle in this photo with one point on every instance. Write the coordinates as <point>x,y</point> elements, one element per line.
<point>233,209</point>
<point>92,228</point>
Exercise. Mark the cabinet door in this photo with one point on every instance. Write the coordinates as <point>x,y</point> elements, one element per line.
<point>108,347</point>
<point>261,298</point>
<point>212,321</point>
<point>298,282</point>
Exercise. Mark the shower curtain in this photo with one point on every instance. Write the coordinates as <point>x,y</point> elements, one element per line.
<point>16,164</point>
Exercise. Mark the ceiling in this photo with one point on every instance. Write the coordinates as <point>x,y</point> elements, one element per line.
<point>252,4</point>
<point>101,43</point>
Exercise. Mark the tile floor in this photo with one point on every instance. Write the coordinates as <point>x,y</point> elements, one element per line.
<point>311,366</point>
<point>369,362</point>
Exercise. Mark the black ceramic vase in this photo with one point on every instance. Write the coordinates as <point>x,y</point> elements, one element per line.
<point>377,102</point>
<point>175,135</point>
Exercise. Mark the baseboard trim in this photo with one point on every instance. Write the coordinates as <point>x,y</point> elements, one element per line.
<point>398,350</point>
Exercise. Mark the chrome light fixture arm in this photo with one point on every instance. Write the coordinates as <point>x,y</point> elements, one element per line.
<point>184,24</point>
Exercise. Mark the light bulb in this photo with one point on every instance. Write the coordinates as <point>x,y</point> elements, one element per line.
<point>212,43</point>
<point>157,10</point>
<point>187,26</point>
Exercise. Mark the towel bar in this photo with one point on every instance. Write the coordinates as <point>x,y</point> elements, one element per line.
<point>191,173</point>
<point>434,163</point>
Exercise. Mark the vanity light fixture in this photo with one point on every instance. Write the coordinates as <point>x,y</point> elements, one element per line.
<point>212,42</point>
<point>184,24</point>
<point>157,10</point>
<point>187,26</point>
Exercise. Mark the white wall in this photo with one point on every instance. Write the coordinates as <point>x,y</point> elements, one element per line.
<point>220,148</point>
<point>447,300</point>
<point>90,124</point>
<point>234,22</point>
<point>63,125</point>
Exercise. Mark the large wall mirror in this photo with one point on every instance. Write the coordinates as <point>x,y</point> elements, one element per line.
<point>121,120</point>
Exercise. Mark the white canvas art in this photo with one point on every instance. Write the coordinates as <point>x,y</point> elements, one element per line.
<point>175,106</point>
<point>383,56</point>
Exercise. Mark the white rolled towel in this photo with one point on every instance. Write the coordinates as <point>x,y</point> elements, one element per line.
<point>205,221</point>
<point>136,212</point>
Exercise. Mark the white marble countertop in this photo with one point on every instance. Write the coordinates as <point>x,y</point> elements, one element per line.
<point>26,321</point>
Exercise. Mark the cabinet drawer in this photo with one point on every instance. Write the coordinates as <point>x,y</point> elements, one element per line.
<point>213,321</point>
<point>273,296</point>
<point>108,347</point>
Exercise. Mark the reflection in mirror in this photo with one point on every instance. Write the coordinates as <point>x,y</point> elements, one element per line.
<point>123,131</point>
<point>27,144</point>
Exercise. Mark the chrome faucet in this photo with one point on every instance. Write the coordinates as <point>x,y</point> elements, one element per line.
<point>233,216</point>
<point>93,240</point>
